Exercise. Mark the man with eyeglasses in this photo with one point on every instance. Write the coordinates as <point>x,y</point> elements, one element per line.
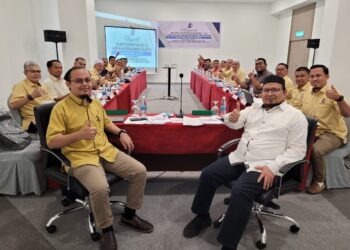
<point>77,125</point>
<point>254,83</point>
<point>327,107</point>
<point>282,71</point>
<point>274,135</point>
<point>28,94</point>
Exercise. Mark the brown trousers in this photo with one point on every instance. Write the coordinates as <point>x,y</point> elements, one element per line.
<point>324,144</point>
<point>94,180</point>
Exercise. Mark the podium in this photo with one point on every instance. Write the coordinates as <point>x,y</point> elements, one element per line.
<point>169,68</point>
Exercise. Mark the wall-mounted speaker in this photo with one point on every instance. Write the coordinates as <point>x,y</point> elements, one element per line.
<point>55,36</point>
<point>313,43</point>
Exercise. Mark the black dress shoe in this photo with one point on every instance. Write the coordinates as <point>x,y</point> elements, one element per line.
<point>108,241</point>
<point>196,226</point>
<point>137,223</point>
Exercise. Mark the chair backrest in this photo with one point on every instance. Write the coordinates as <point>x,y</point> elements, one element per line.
<point>42,117</point>
<point>296,178</point>
<point>248,97</point>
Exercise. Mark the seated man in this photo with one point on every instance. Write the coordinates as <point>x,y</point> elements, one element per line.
<point>77,125</point>
<point>80,62</point>
<point>28,94</point>
<point>274,135</point>
<point>331,131</point>
<point>295,96</point>
<point>95,72</point>
<point>55,84</point>
<point>282,71</point>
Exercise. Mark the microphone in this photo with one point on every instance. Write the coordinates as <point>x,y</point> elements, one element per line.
<point>180,114</point>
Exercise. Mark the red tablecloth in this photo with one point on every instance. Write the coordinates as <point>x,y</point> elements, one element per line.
<point>207,92</point>
<point>127,93</point>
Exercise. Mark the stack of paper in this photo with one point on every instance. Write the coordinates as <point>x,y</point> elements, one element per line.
<point>158,119</point>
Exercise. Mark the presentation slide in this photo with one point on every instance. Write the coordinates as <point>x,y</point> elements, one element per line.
<point>138,45</point>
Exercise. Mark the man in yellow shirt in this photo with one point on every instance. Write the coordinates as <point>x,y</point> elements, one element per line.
<point>77,126</point>
<point>28,94</point>
<point>226,73</point>
<point>282,71</point>
<point>238,75</point>
<point>95,72</point>
<point>295,96</point>
<point>331,131</point>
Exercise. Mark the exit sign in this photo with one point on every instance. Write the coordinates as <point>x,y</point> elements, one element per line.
<point>299,34</point>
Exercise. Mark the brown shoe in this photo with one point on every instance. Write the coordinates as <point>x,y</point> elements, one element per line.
<point>315,188</point>
<point>137,223</point>
<point>108,241</point>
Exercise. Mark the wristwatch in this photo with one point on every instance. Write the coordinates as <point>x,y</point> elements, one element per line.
<point>340,98</point>
<point>120,132</point>
<point>30,98</point>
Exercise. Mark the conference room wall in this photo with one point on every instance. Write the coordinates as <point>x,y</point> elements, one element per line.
<point>248,30</point>
<point>22,24</point>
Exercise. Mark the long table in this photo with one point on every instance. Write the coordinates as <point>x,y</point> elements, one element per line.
<point>172,146</point>
<point>127,93</point>
<point>207,92</point>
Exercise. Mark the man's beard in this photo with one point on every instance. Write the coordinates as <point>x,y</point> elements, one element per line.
<point>270,106</point>
<point>260,72</point>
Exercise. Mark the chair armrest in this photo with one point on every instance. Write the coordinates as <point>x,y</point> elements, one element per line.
<point>289,166</point>
<point>58,155</point>
<point>226,145</point>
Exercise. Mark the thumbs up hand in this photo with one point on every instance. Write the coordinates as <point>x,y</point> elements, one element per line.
<point>88,132</point>
<point>234,115</point>
<point>332,93</point>
<point>37,92</point>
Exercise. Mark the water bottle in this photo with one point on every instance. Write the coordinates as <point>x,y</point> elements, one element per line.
<point>143,106</point>
<point>223,106</point>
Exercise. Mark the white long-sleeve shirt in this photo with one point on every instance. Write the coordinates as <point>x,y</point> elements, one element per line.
<point>272,138</point>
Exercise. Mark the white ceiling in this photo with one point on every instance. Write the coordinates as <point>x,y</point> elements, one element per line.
<point>214,1</point>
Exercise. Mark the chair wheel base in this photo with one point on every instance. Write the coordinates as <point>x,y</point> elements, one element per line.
<point>260,245</point>
<point>294,228</point>
<point>51,229</point>
<point>95,236</point>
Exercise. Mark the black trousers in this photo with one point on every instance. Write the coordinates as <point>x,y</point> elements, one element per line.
<point>244,191</point>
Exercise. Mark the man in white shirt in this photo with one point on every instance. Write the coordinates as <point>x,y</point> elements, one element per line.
<point>274,135</point>
<point>56,85</point>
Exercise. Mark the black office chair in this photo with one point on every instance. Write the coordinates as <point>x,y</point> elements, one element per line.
<point>290,178</point>
<point>72,190</point>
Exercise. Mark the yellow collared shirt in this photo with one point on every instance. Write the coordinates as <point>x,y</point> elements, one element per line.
<point>227,74</point>
<point>69,116</point>
<point>326,111</point>
<point>94,74</point>
<point>295,96</point>
<point>110,68</point>
<point>288,83</point>
<point>22,89</point>
<point>240,74</point>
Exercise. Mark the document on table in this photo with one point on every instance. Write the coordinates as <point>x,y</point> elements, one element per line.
<point>211,119</point>
<point>158,119</point>
<point>192,121</point>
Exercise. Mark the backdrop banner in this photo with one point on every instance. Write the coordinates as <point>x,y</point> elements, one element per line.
<point>189,34</point>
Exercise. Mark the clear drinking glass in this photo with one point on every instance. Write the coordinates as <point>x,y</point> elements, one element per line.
<point>135,109</point>
<point>215,109</point>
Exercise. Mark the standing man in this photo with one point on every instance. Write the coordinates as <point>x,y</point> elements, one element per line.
<point>77,126</point>
<point>282,71</point>
<point>295,95</point>
<point>254,84</point>
<point>331,131</point>
<point>55,84</point>
<point>274,135</point>
<point>28,94</point>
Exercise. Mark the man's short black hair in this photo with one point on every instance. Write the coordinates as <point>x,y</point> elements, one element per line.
<point>50,63</point>
<point>324,68</point>
<point>111,57</point>
<point>275,79</point>
<point>283,64</point>
<point>261,59</point>
<point>69,72</point>
<point>306,69</point>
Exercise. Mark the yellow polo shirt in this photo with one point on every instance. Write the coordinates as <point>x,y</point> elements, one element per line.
<point>326,111</point>
<point>22,89</point>
<point>70,115</point>
<point>94,74</point>
<point>227,74</point>
<point>288,83</point>
<point>295,95</point>
<point>110,68</point>
<point>240,74</point>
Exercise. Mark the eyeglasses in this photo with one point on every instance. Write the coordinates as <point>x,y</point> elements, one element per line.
<point>274,91</point>
<point>33,71</point>
<point>80,81</point>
